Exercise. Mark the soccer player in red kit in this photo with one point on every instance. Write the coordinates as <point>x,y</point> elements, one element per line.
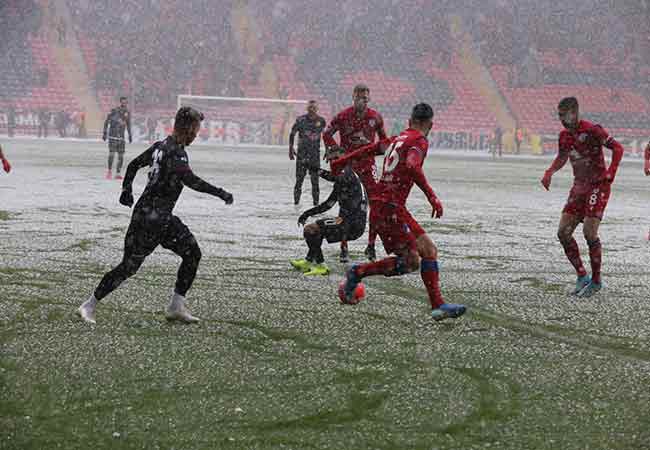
<point>357,126</point>
<point>646,167</point>
<point>401,234</point>
<point>582,142</point>
<point>5,162</point>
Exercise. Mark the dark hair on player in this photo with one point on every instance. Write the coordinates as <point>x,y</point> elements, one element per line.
<point>123,98</point>
<point>186,117</point>
<point>311,102</point>
<point>422,112</point>
<point>568,103</point>
<point>360,88</point>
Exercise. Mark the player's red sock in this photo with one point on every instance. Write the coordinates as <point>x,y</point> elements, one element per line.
<point>595,256</point>
<point>573,254</point>
<point>387,266</point>
<point>430,277</point>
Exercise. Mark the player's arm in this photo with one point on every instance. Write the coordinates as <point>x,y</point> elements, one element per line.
<point>144,159</point>
<point>330,131</point>
<point>369,150</point>
<point>292,135</point>
<point>106,124</point>
<point>646,158</point>
<point>319,209</point>
<point>381,130</point>
<point>616,148</point>
<point>196,183</point>
<point>5,163</point>
<point>128,126</point>
<point>414,160</point>
<point>559,162</point>
<point>327,175</point>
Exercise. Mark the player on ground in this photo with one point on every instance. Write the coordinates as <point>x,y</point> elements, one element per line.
<point>309,128</point>
<point>582,142</point>
<point>153,223</point>
<point>357,126</point>
<point>399,231</point>
<point>116,122</point>
<point>5,162</point>
<point>348,225</point>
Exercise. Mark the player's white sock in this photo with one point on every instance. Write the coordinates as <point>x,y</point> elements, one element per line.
<point>177,310</point>
<point>87,309</point>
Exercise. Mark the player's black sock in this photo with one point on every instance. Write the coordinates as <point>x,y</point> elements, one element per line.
<point>120,161</point>
<point>115,277</point>
<point>314,241</point>
<point>187,270</point>
<point>111,156</point>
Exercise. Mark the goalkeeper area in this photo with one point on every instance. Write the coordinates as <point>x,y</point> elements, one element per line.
<point>277,362</point>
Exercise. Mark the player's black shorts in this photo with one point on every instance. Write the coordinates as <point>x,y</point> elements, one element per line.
<point>333,232</point>
<point>116,146</point>
<point>149,229</point>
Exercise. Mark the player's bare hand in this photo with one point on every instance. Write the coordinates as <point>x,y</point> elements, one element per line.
<point>6,166</point>
<point>126,198</point>
<point>546,181</point>
<point>292,155</point>
<point>437,209</point>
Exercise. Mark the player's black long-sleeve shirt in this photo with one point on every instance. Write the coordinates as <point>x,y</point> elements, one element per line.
<point>349,193</point>
<point>169,171</point>
<point>116,122</point>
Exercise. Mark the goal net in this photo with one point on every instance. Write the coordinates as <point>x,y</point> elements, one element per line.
<point>244,120</point>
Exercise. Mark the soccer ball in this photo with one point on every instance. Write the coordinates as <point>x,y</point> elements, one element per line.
<point>359,293</point>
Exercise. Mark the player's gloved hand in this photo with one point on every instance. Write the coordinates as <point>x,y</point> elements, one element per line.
<point>126,198</point>
<point>292,155</point>
<point>103,137</point>
<point>302,219</point>
<point>227,197</point>
<point>130,140</point>
<point>546,180</point>
<point>6,166</point>
<point>437,208</point>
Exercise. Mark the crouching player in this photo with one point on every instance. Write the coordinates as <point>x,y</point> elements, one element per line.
<point>400,233</point>
<point>153,224</point>
<point>349,225</point>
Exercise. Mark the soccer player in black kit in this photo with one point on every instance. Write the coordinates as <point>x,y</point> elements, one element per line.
<point>116,122</point>
<point>153,223</point>
<point>309,128</point>
<point>349,225</point>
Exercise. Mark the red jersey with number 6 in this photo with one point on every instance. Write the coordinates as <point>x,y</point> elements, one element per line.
<point>408,150</point>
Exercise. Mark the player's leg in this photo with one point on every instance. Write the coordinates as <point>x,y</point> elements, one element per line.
<point>111,157</point>
<point>596,204</point>
<point>180,240</point>
<point>136,248</point>
<point>370,252</point>
<point>120,160</point>
<point>301,171</point>
<point>368,179</point>
<point>313,239</point>
<point>314,235</point>
<point>344,256</point>
<point>315,189</point>
<point>429,271</point>
<point>566,228</point>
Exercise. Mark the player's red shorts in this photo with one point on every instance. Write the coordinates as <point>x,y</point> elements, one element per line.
<point>588,200</point>
<point>396,227</point>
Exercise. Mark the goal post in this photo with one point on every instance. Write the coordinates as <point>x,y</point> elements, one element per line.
<point>249,121</point>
